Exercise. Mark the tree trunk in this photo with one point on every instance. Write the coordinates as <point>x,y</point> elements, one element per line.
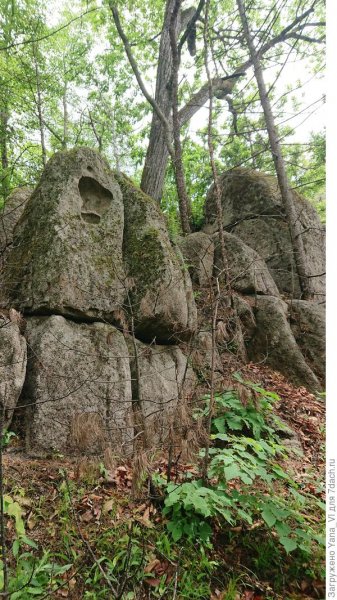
<point>39,107</point>
<point>4,152</point>
<point>157,152</point>
<point>294,224</point>
<point>184,202</point>
<point>65,116</point>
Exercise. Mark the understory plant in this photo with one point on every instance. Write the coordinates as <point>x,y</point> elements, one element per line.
<point>247,484</point>
<point>30,572</point>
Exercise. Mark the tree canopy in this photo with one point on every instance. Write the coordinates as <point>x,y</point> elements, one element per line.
<point>66,80</point>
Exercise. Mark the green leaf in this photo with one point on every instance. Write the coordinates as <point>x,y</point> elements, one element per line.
<point>205,531</point>
<point>29,542</point>
<point>175,529</point>
<point>232,472</point>
<point>268,517</point>
<point>288,543</point>
<point>282,529</point>
<point>16,548</point>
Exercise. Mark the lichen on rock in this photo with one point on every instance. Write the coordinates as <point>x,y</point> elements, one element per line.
<point>77,393</point>
<point>253,210</point>
<point>67,249</point>
<point>161,296</point>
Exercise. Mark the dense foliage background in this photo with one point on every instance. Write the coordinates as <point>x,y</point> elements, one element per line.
<point>65,81</point>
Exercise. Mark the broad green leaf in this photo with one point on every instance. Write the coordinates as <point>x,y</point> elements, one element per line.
<point>268,517</point>
<point>288,543</point>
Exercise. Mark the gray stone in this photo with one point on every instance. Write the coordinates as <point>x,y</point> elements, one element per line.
<point>201,357</point>
<point>275,345</point>
<point>253,210</point>
<point>67,250</point>
<point>77,394</point>
<point>161,294</point>
<point>9,216</point>
<point>307,321</point>
<point>13,360</point>
<point>164,384</point>
<point>248,273</point>
<point>198,251</point>
<point>244,310</point>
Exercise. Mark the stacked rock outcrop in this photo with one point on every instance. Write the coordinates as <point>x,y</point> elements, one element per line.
<point>98,329</point>
<point>90,267</point>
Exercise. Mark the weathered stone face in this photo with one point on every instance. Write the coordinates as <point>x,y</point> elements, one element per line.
<point>78,387</point>
<point>307,321</point>
<point>198,251</point>
<point>274,343</point>
<point>164,380</point>
<point>247,271</point>
<point>13,359</point>
<point>161,294</point>
<point>67,249</point>
<point>9,216</point>
<point>253,211</point>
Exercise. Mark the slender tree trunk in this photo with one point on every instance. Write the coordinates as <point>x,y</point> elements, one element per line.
<point>287,197</point>
<point>174,24</point>
<point>184,202</point>
<point>157,152</point>
<point>217,187</point>
<point>65,116</point>
<point>4,151</point>
<point>39,106</point>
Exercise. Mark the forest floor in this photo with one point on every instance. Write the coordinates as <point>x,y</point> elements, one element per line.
<point>113,542</point>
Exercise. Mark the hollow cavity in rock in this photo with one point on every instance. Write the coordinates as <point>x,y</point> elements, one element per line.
<point>95,199</point>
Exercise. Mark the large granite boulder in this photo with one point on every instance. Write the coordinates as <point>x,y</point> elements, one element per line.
<point>253,211</point>
<point>77,395</point>
<point>162,382</point>
<point>67,249</point>
<point>161,296</point>
<point>9,216</point>
<point>13,359</point>
<point>247,271</point>
<point>307,321</point>
<point>198,251</point>
<point>274,344</point>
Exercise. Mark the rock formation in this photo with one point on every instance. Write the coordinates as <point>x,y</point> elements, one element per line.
<point>253,211</point>
<point>88,253</point>
<point>77,369</point>
<point>115,352</point>
<point>160,295</point>
<point>9,216</point>
<point>13,360</point>
<point>67,247</point>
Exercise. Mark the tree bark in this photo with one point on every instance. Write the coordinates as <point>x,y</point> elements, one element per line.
<point>39,107</point>
<point>294,224</point>
<point>184,203</point>
<point>4,151</point>
<point>157,152</point>
<point>65,116</point>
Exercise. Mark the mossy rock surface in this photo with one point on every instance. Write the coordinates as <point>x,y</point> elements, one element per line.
<point>161,295</point>
<point>67,249</point>
<point>253,210</point>
<point>10,214</point>
<point>274,344</point>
